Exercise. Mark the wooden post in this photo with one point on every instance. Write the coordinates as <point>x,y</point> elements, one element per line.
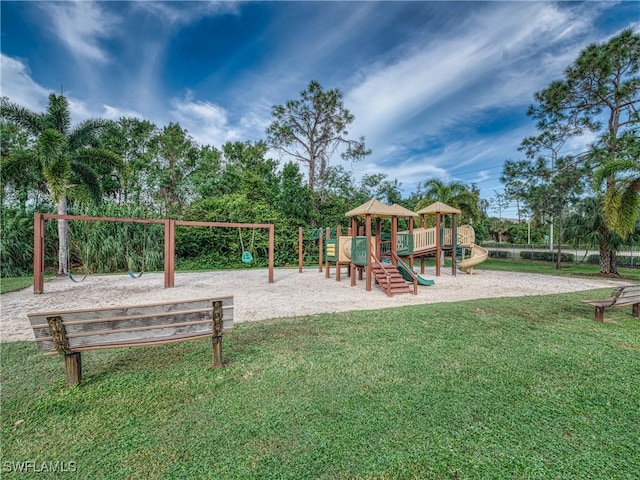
<point>73,368</point>
<point>328,263</point>
<point>394,239</point>
<point>369,246</point>
<point>454,241</point>
<point>320,251</point>
<point>169,253</point>
<point>411,233</point>
<point>338,266</point>
<point>217,334</point>
<point>438,246</point>
<point>378,238</point>
<point>300,254</point>
<point>272,242</point>
<point>38,253</point>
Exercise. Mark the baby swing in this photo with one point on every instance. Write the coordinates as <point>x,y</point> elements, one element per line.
<point>247,257</point>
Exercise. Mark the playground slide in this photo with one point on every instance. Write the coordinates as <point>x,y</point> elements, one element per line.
<point>478,255</point>
<point>405,272</point>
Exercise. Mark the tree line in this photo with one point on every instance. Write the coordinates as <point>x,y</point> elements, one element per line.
<point>132,167</point>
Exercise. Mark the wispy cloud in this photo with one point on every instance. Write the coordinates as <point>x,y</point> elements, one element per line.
<point>178,14</point>
<point>18,85</point>
<point>206,122</point>
<point>81,26</point>
<point>492,61</point>
<point>115,113</point>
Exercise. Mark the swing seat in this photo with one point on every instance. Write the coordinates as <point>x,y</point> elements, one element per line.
<point>247,257</point>
<point>76,280</point>
<point>135,275</point>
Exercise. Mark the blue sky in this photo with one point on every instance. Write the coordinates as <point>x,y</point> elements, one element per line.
<point>439,89</point>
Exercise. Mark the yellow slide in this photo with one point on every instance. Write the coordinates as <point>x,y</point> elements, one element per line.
<point>478,255</point>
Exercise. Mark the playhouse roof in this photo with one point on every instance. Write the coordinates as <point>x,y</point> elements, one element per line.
<point>403,212</point>
<point>373,207</point>
<point>438,207</point>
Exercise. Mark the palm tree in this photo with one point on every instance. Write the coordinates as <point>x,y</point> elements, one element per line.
<point>622,196</point>
<point>454,194</point>
<point>64,155</point>
<point>587,225</point>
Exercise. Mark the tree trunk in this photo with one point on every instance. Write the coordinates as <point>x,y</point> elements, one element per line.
<point>608,261</point>
<point>559,258</point>
<point>62,237</point>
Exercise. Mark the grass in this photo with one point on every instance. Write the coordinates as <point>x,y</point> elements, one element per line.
<point>12,284</point>
<point>549,268</point>
<point>526,387</point>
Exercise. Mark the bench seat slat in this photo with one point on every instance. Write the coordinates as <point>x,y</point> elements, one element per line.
<point>228,311</point>
<point>138,343</point>
<point>40,318</point>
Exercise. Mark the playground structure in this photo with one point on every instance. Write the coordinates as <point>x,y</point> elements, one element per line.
<point>390,261</point>
<point>169,241</point>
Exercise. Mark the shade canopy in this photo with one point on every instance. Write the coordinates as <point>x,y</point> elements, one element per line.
<point>438,207</point>
<point>403,212</point>
<point>373,207</point>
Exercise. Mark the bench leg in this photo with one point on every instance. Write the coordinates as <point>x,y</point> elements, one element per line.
<point>636,309</point>
<point>217,352</point>
<point>600,314</point>
<point>73,368</point>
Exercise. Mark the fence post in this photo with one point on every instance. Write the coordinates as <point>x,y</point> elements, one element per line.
<point>38,253</point>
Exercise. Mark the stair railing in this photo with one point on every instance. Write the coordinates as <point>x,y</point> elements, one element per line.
<point>387,287</point>
<point>413,274</point>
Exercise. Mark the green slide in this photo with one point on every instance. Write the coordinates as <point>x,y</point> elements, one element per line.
<point>404,270</point>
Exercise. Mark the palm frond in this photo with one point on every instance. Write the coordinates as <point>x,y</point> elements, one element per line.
<point>32,122</point>
<point>57,172</point>
<point>15,164</point>
<point>58,116</point>
<point>86,133</point>
<point>51,144</point>
<point>621,209</point>
<point>89,179</point>
<point>621,168</point>
<point>99,157</point>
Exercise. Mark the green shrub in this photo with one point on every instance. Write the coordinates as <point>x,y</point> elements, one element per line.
<point>546,256</point>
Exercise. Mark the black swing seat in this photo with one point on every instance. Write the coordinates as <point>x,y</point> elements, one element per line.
<point>75,280</point>
<point>134,275</point>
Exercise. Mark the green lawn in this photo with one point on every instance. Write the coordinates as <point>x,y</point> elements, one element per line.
<point>527,388</point>
<point>15,283</point>
<point>549,268</point>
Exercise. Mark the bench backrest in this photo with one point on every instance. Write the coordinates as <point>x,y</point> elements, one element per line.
<point>88,329</point>
<point>627,294</point>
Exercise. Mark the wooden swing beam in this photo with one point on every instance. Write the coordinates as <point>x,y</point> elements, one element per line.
<point>169,241</point>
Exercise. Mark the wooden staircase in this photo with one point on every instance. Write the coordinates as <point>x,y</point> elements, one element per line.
<point>389,278</point>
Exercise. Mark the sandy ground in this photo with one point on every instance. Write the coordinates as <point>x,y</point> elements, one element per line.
<point>292,294</point>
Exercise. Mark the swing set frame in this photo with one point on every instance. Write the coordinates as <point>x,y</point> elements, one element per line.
<point>39,220</point>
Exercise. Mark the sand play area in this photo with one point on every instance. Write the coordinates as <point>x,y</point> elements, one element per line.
<point>292,294</point>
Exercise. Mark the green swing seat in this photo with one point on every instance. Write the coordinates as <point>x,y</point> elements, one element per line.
<point>247,257</point>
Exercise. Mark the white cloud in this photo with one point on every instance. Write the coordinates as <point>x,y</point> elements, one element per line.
<point>115,113</point>
<point>475,57</point>
<point>19,87</point>
<point>80,26</point>
<point>206,122</point>
<point>175,14</point>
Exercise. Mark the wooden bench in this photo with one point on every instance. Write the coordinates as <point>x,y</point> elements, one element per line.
<point>621,297</point>
<point>74,331</point>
